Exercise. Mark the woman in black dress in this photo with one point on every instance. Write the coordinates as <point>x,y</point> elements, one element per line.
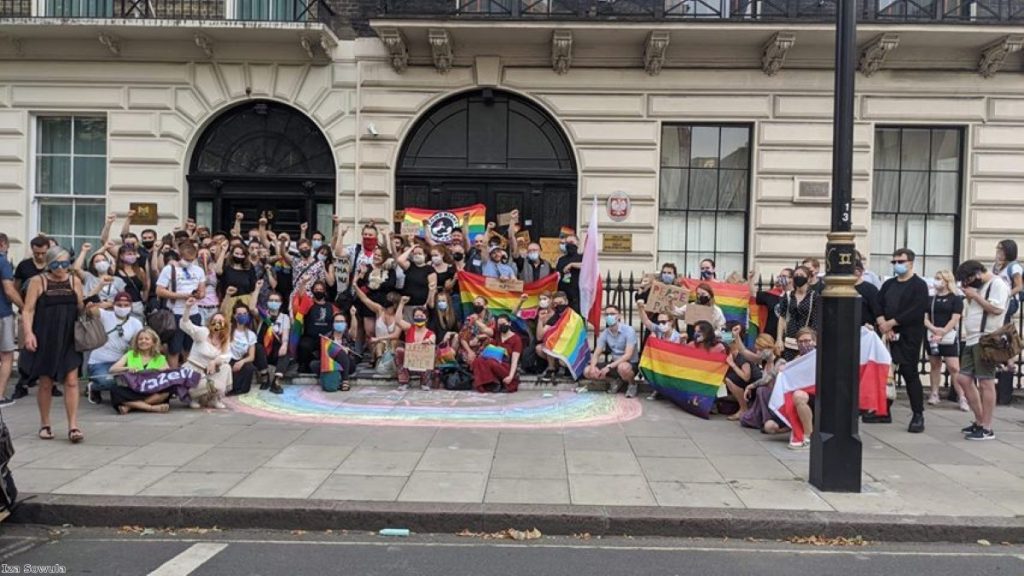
<point>52,304</point>
<point>799,308</point>
<point>420,279</point>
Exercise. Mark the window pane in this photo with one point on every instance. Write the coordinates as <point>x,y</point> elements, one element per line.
<point>940,236</point>
<point>325,219</point>
<point>700,232</point>
<point>53,175</point>
<point>735,151</point>
<point>914,192</point>
<point>911,233</point>
<point>204,214</point>
<point>728,263</point>
<point>887,149</point>
<point>915,149</point>
<point>671,231</point>
<point>674,184</point>
<point>945,188</point>
<point>933,264</point>
<point>704,153</point>
<point>703,189</point>
<point>55,218</point>
<point>675,146</point>
<point>89,217</point>
<point>729,233</point>
<point>732,190</point>
<point>54,135</point>
<point>883,239</point>
<point>946,150</point>
<point>90,136</point>
<point>90,176</point>
<point>885,191</point>
<point>669,257</point>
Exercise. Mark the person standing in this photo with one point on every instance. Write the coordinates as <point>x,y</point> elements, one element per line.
<point>986,299</point>
<point>1010,270</point>
<point>797,309</point>
<point>179,281</point>
<point>816,283</point>
<point>33,266</point>
<point>770,298</point>
<point>9,298</point>
<point>53,301</point>
<point>707,270</point>
<point>904,302</point>
<point>569,266</point>
<point>942,322</point>
<point>869,307</point>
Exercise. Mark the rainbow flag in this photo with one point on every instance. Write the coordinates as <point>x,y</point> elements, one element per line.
<point>472,286</point>
<point>567,341</point>
<point>268,332</point>
<point>301,303</point>
<point>472,219</point>
<point>688,376</point>
<point>733,299</point>
<point>328,350</point>
<point>755,324</point>
<point>493,352</point>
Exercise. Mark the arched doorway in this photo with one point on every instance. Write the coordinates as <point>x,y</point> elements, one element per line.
<point>494,148</point>
<point>259,158</point>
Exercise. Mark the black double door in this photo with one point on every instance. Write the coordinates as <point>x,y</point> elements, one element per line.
<point>285,204</point>
<point>544,205</point>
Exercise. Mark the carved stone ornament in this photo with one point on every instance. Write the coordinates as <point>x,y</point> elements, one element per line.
<point>204,43</point>
<point>111,43</point>
<point>654,52</point>
<point>16,45</point>
<point>774,53</point>
<point>561,51</point>
<point>398,52</point>
<point>993,57</point>
<point>441,49</point>
<point>327,44</point>
<point>308,46</point>
<point>874,53</point>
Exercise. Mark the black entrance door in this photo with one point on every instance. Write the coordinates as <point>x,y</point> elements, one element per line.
<point>283,215</point>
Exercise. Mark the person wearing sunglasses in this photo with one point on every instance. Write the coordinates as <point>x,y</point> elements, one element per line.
<point>904,302</point>
<point>120,327</point>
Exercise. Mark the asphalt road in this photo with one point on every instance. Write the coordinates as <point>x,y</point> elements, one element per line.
<point>251,553</point>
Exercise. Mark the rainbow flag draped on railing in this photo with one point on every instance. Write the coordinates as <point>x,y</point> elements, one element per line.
<point>688,376</point>
<point>328,350</point>
<point>567,341</point>
<point>472,219</point>
<point>472,286</point>
<point>733,299</point>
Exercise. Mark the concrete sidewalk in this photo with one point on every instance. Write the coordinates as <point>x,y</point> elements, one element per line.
<point>551,448</point>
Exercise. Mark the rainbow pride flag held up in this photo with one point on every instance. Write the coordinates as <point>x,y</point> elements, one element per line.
<point>440,223</point>
<point>690,377</point>
<point>328,350</point>
<point>493,352</point>
<point>755,324</point>
<point>733,299</point>
<point>472,286</point>
<point>567,341</point>
<point>301,303</point>
<point>268,331</point>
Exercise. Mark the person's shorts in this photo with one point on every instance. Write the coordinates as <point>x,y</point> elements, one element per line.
<point>972,364</point>
<point>635,365</point>
<point>181,342</point>
<point>8,334</point>
<point>946,351</point>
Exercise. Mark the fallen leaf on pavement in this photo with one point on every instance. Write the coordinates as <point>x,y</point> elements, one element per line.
<point>984,542</point>
<point>826,541</point>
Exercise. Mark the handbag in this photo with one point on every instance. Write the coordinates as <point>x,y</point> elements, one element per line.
<point>162,320</point>
<point>386,366</point>
<point>1001,345</point>
<point>89,333</point>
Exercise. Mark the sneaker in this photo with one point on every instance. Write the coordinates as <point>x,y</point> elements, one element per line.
<point>581,390</point>
<point>56,392</point>
<point>981,434</point>
<point>94,395</point>
<point>276,389</point>
<point>403,387</point>
<point>5,402</point>
<point>19,392</point>
<point>653,395</point>
<point>800,445</point>
<point>933,398</point>
<point>615,386</point>
<point>631,390</point>
<point>970,428</point>
<point>219,405</point>
<point>194,405</point>
<point>916,424</point>
<point>964,406</point>
<point>426,387</point>
<point>872,418</point>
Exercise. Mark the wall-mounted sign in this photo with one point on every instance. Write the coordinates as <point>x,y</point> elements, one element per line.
<point>618,206</point>
<point>145,213</point>
<point>621,243</point>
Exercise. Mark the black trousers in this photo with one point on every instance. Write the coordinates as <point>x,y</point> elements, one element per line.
<point>241,381</point>
<point>912,380</point>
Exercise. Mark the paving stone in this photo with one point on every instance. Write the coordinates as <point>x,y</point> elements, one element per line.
<point>426,486</point>
<point>778,494</point>
<point>527,491</point>
<point>370,462</point>
<point>602,463</point>
<point>695,495</point>
<point>540,466</point>
<point>679,470</point>
<point>80,456</point>
<point>116,480</point>
<point>356,487</point>
<point>312,457</point>
<point>164,454</point>
<point>981,477</point>
<point>230,460</point>
<point>279,483</point>
<point>755,467</point>
<point>610,490</point>
<point>194,484</point>
<point>43,480</point>
<point>452,460</point>
<point>263,437</point>
<point>664,447</point>
<point>530,443</point>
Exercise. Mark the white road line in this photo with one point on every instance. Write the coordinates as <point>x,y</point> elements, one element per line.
<point>195,556</point>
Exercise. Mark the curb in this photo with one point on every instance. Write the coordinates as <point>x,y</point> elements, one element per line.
<point>292,514</point>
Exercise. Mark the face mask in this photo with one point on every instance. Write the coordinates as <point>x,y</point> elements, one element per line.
<point>273,306</point>
<point>977,283</point>
<point>317,244</point>
<point>318,295</point>
<point>130,258</point>
<point>727,338</point>
<point>799,281</point>
<point>436,260</point>
<point>478,309</point>
<point>667,278</point>
<point>562,247</point>
<point>102,267</point>
<point>544,303</point>
<point>242,319</point>
<point>571,249</point>
<point>122,311</point>
<point>321,257</point>
<point>148,244</point>
<point>419,321</point>
<point>900,269</point>
<point>698,337</point>
<point>706,274</point>
<point>370,244</point>
<point>533,256</point>
<point>940,284</point>
<point>664,327</point>
<point>458,256</point>
<point>611,320</point>
<point>418,259</point>
<point>805,348</point>
<point>504,328</point>
<point>560,308</point>
<point>442,305</point>
<point>217,326</point>
<point>238,259</point>
<point>305,252</point>
<point>340,326</point>
<point>704,299</point>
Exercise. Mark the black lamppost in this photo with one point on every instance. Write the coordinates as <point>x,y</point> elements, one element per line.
<point>835,443</point>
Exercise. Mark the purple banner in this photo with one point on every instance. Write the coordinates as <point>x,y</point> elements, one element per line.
<point>179,379</point>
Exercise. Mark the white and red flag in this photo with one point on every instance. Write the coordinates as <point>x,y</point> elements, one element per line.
<point>590,275</point>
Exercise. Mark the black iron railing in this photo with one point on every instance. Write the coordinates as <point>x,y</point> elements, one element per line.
<point>244,10</point>
<point>621,293</point>
<point>917,11</point>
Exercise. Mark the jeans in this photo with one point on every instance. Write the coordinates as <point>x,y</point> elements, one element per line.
<point>182,342</point>
<point>100,375</point>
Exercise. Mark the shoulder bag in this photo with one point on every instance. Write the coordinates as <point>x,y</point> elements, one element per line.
<point>162,319</point>
<point>89,331</point>
<point>1001,345</point>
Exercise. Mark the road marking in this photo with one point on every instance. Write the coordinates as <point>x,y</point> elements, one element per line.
<point>18,546</point>
<point>195,556</point>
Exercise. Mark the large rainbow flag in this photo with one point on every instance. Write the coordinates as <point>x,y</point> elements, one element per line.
<point>301,303</point>
<point>328,350</point>
<point>444,220</point>
<point>733,299</point>
<point>688,376</point>
<point>567,341</point>
<point>472,286</point>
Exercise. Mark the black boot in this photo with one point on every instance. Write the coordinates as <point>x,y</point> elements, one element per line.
<point>916,423</point>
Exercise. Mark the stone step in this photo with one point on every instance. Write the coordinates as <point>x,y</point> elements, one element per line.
<point>526,382</point>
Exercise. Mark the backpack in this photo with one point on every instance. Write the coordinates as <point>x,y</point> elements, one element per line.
<point>456,378</point>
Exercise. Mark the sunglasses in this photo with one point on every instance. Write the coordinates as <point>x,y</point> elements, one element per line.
<point>60,265</point>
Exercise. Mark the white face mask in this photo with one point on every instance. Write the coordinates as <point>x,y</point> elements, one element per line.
<point>436,260</point>
<point>122,311</point>
<point>940,284</point>
<point>102,267</point>
<point>544,303</point>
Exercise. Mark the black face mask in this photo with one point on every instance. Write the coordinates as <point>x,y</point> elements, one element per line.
<point>504,328</point>
<point>559,308</point>
<point>478,309</point>
<point>305,252</point>
<point>704,299</point>
<point>571,249</point>
<point>799,281</point>
<point>238,259</point>
<point>319,295</point>
<point>458,256</point>
<point>148,244</point>
<point>977,283</point>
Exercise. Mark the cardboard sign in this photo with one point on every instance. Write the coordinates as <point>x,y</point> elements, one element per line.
<point>419,357</point>
<point>504,219</point>
<point>506,284</point>
<point>523,238</point>
<point>696,313</point>
<point>549,249</point>
<point>663,298</point>
<point>410,229</point>
<point>145,213</point>
<point>618,243</point>
<point>399,215</point>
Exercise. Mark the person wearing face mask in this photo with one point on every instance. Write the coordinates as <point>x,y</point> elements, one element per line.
<point>619,343</point>
<point>662,327</point>
<point>798,308</point>
<point>492,374</point>
<point>942,320</point>
<point>477,331</point>
<point>904,302</point>
<point>53,302</point>
<point>135,278</point>
<point>569,266</point>
<point>531,267</point>
<point>178,281</point>
<point>769,298</point>
<point>317,322</point>
<point>986,300</point>
<point>343,333</point>
<point>1011,272</point>
<point>742,372</point>
<point>306,269</point>
<point>416,332</point>
<point>210,355</point>
<point>705,296</point>
<point>706,337</point>
<point>243,349</point>
<point>272,342</point>
<point>234,270</point>
<point>495,266</point>
<point>444,322</point>
<point>814,281</point>
<point>98,281</point>
<point>807,342</point>
<point>444,266</point>
<point>668,275</point>
<point>550,308</point>
<point>120,327</point>
<point>420,278</point>
<point>707,270</point>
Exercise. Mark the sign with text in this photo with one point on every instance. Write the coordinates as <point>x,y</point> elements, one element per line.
<point>664,298</point>
<point>145,213</point>
<point>549,249</point>
<point>618,243</point>
<point>697,313</point>
<point>505,284</point>
<point>419,357</point>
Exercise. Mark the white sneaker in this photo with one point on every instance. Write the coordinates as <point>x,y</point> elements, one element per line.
<point>933,398</point>
<point>964,406</point>
<point>219,405</point>
<point>581,390</point>
<point>425,387</point>
<point>194,405</point>
<point>653,396</point>
<point>800,445</point>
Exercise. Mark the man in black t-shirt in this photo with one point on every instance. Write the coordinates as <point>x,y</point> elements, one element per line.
<point>317,321</point>
<point>29,268</point>
<point>569,266</point>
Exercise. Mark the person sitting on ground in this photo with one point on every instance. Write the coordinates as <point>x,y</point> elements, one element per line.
<point>550,308</point>
<point>807,341</point>
<point>477,331</point>
<point>121,328</point>
<point>274,348</point>
<point>386,331</point>
<point>705,296</point>
<point>705,337</point>
<point>619,342</point>
<point>344,334</point>
<point>243,349</point>
<point>662,328</point>
<point>759,392</point>
<point>416,332</point>
<point>144,356</point>
<point>443,321</point>
<point>211,354</point>
<point>492,374</point>
<point>742,372</point>
<point>316,323</point>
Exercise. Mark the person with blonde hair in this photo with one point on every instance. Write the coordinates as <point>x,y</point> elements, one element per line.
<point>143,356</point>
<point>943,321</point>
<point>211,353</point>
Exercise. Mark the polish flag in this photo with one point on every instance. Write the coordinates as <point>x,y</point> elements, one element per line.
<point>590,275</point>
<point>800,375</point>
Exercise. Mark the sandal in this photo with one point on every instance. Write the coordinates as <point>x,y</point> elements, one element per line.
<point>123,410</point>
<point>345,386</point>
<point>75,435</point>
<point>46,433</point>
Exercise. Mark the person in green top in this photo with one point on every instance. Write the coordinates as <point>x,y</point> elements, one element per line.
<point>144,356</point>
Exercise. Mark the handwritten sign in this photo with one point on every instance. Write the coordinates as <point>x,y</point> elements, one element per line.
<point>523,238</point>
<point>506,284</point>
<point>419,357</point>
<point>145,213</point>
<point>697,313</point>
<point>399,215</point>
<point>504,219</point>
<point>664,298</point>
<point>549,249</point>
<point>410,228</point>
